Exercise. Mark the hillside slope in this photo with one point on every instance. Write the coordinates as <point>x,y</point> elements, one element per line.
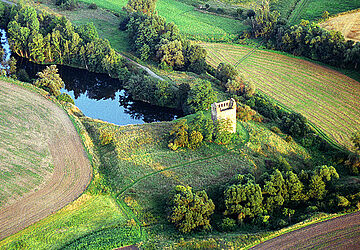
<point>37,137</point>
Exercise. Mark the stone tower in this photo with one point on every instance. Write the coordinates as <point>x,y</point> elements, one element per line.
<point>225,110</point>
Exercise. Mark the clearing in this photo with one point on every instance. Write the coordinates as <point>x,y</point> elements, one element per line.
<point>348,24</point>
<point>324,96</point>
<point>43,162</point>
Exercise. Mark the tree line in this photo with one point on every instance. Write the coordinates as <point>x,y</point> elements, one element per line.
<point>276,199</point>
<point>46,38</point>
<point>304,39</point>
<point>151,37</point>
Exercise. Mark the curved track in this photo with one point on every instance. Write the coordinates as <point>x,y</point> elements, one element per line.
<point>338,233</point>
<point>71,173</point>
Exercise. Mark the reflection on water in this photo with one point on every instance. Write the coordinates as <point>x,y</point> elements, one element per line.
<point>7,52</point>
<point>101,97</point>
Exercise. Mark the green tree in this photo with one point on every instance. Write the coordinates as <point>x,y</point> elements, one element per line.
<point>170,53</point>
<point>244,199</point>
<point>275,191</point>
<point>179,135</point>
<point>191,210</point>
<point>322,178</point>
<point>294,187</point>
<point>226,72</point>
<point>204,125</point>
<point>50,80</point>
<point>355,139</point>
<point>144,6</point>
<point>200,96</point>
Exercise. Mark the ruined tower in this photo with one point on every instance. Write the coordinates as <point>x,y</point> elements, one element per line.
<point>225,110</point>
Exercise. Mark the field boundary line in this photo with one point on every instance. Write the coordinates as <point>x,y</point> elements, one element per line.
<point>247,137</point>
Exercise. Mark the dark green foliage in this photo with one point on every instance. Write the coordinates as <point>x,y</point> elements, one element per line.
<point>355,139</point>
<point>264,20</point>
<point>275,191</point>
<point>23,76</point>
<point>294,124</point>
<point>67,4</point>
<point>143,6</point>
<point>147,89</point>
<point>200,96</point>
<point>64,97</point>
<point>50,80</point>
<point>45,38</point>
<point>204,125</point>
<point>226,72</point>
<point>93,6</point>
<point>191,210</point>
<point>228,224</point>
<point>295,188</point>
<point>153,38</point>
<point>311,41</point>
<point>243,200</point>
<point>222,132</point>
<point>179,134</point>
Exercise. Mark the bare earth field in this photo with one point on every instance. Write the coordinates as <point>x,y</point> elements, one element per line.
<point>43,164</point>
<point>339,233</point>
<point>348,24</point>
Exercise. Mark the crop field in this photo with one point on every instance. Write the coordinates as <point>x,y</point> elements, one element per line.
<point>348,24</point>
<point>312,10</point>
<point>191,23</point>
<point>324,96</point>
<point>339,233</point>
<point>42,159</point>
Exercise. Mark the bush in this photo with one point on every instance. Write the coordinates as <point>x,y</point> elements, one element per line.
<point>93,6</point>
<point>65,98</point>
<point>228,225</point>
<point>23,76</point>
<point>106,136</point>
<point>191,210</point>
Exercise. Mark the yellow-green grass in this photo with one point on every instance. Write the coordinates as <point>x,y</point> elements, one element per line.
<point>87,214</point>
<point>326,97</point>
<point>190,22</point>
<point>142,171</point>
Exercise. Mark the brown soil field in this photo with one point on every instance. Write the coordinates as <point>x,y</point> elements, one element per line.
<point>48,130</point>
<point>338,233</point>
<point>348,24</point>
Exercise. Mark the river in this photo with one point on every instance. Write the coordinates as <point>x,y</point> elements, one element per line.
<point>101,97</point>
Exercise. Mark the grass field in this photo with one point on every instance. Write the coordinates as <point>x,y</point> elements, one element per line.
<point>191,23</point>
<point>142,171</point>
<point>348,24</point>
<point>312,10</point>
<point>326,97</point>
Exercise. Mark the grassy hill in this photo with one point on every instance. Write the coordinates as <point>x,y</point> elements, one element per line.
<point>326,97</point>
<point>190,22</point>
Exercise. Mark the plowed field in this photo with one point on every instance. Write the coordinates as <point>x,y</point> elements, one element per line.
<point>326,97</point>
<point>339,233</point>
<point>43,164</point>
<point>348,24</point>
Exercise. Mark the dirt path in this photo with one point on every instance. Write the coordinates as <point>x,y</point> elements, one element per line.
<point>339,233</point>
<point>71,173</point>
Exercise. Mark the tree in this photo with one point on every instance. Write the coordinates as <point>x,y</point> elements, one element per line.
<point>50,80</point>
<point>226,72</point>
<point>200,96</point>
<point>355,139</point>
<point>321,179</point>
<point>170,53</point>
<point>191,210</point>
<point>244,199</point>
<point>144,6</point>
<point>179,134</point>
<point>294,187</point>
<point>275,191</point>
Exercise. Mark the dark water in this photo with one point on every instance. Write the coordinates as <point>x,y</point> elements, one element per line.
<point>101,97</point>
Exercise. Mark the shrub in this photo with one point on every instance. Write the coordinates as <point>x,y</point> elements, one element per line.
<point>221,132</point>
<point>191,210</point>
<point>106,136</point>
<point>23,76</point>
<point>93,6</point>
<point>65,98</point>
<point>228,224</point>
<point>50,80</point>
